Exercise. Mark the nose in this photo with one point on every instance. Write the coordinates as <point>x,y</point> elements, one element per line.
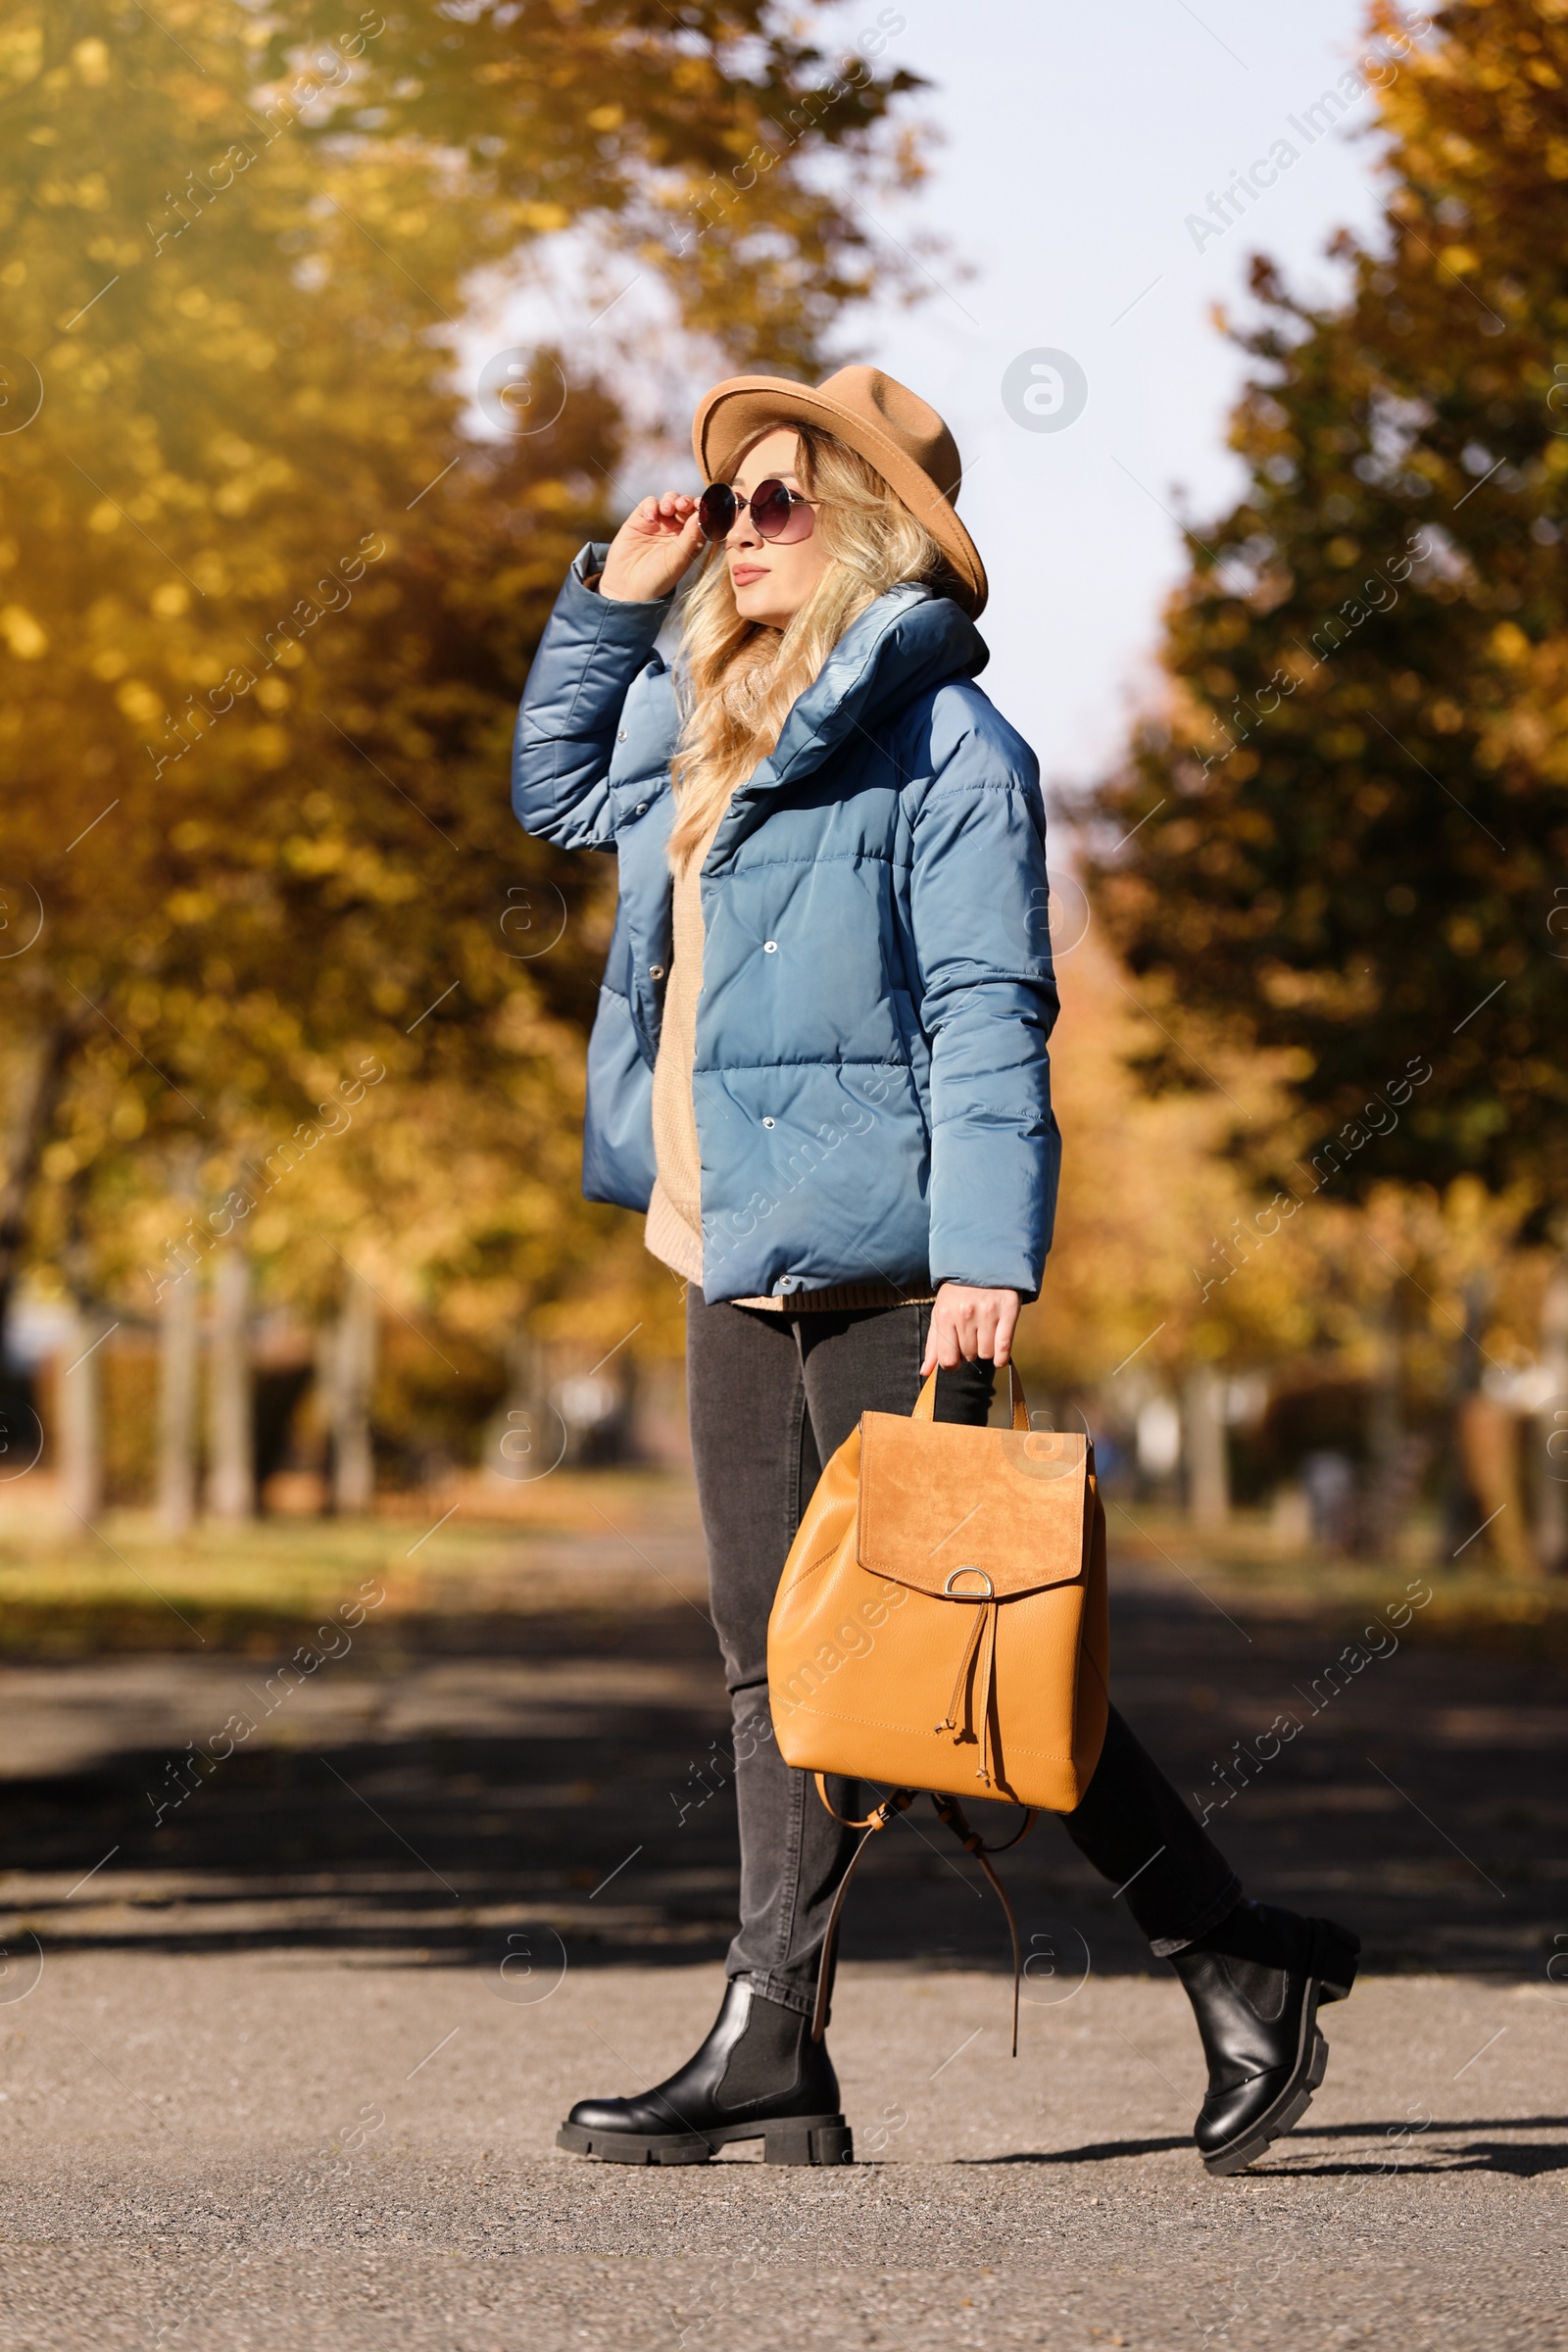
<point>742,531</point>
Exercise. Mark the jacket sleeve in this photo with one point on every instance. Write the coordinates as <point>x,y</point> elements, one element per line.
<point>592,649</point>
<point>978,910</point>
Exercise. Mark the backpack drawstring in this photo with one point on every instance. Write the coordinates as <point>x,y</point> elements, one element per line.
<point>983,1634</point>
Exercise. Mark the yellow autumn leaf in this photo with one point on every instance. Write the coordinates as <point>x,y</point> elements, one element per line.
<point>24,636</point>
<point>139,703</point>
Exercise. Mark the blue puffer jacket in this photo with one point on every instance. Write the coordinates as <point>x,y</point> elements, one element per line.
<point>871,1084</point>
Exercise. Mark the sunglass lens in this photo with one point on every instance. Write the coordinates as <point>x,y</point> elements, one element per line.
<point>781,515</point>
<point>716,510</point>
<point>773,511</point>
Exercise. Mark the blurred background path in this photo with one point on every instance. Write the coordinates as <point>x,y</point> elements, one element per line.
<point>529,1726</point>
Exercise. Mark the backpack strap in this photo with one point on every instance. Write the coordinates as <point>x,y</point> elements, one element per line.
<point>878,1818</point>
<point>925,1404</point>
<point>951,1813</point>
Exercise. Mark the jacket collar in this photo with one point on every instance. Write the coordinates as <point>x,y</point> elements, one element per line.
<point>910,639</point>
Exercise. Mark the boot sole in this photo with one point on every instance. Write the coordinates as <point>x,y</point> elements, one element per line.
<point>1337,1955</point>
<point>1285,2113</point>
<point>790,2140</point>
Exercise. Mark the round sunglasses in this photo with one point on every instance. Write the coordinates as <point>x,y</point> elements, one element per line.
<point>780,514</point>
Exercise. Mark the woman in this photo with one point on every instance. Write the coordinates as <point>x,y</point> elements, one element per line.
<point>820,1065</point>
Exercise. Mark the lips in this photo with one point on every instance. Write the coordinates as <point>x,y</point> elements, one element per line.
<point>742,574</point>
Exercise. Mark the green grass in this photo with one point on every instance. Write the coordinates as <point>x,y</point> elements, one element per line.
<point>129,1585</point>
<point>578,1541</point>
<point>1246,1567</point>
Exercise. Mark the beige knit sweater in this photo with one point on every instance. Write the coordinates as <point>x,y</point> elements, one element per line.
<point>674,1228</point>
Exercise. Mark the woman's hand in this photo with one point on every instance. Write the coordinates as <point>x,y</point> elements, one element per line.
<point>965,1323</point>
<point>650,550</point>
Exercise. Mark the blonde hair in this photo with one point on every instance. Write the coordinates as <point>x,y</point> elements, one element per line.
<point>741,677</point>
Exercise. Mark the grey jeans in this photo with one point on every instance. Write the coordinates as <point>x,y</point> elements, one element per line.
<point>771,1397</point>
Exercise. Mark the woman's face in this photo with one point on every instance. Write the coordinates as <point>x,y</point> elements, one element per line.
<point>771,581</point>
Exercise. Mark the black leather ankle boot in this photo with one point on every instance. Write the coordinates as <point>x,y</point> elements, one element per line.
<point>1256,1983</point>
<point>757,2075</point>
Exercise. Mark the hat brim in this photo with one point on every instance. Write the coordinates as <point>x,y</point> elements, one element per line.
<point>730,418</point>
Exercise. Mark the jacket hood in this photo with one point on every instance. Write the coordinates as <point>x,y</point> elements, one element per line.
<point>907,641</point>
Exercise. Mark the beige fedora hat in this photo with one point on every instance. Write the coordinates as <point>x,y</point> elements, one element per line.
<point>892,428</point>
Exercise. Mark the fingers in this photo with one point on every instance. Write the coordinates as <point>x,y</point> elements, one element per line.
<point>1006,1325</point>
<point>670,512</point>
<point>943,1348</point>
<point>964,1327</point>
<point>966,1323</point>
<point>995,1316</point>
<point>653,548</point>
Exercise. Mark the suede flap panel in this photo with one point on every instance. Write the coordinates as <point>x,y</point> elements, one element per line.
<point>936,1499</point>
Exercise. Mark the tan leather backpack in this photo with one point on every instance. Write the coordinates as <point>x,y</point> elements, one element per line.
<point>942,1620</point>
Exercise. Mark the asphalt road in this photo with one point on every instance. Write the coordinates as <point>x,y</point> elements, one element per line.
<point>281,2061</point>
<point>298,2150</point>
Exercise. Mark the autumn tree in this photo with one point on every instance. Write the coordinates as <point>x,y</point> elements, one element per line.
<point>1347,834</point>
<point>267,593</point>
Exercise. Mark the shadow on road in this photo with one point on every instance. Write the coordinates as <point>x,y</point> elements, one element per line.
<point>451,1786</point>
<point>1525,2160</point>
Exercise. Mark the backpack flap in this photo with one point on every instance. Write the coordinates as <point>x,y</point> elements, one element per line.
<point>939,1498</point>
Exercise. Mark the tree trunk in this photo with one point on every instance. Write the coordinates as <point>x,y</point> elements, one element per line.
<point>1548,1451</point>
<point>1460,1512</point>
<point>352,1364</point>
<point>1386,1452</point>
<point>1489,1449</point>
<point>37,1099</point>
<point>176,1405</point>
<point>1208,1481</point>
<point>230,1451</point>
<point>78,1403</point>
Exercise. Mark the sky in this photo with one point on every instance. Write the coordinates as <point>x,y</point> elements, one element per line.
<point>1075,145</point>
<point>1076,160</point>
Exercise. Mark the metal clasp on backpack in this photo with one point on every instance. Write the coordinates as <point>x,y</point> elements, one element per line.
<point>988,1594</point>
